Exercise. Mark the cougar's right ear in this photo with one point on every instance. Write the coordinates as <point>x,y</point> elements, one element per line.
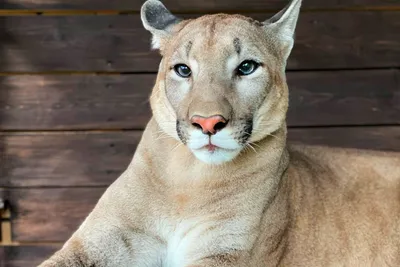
<point>158,20</point>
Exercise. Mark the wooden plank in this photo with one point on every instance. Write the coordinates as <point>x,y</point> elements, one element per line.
<point>196,6</point>
<point>344,98</point>
<point>374,138</point>
<point>52,214</point>
<point>26,256</point>
<point>75,43</point>
<point>64,159</point>
<point>121,102</point>
<point>97,159</point>
<point>75,102</point>
<point>327,40</point>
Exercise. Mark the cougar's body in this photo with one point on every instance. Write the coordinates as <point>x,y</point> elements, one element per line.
<point>213,181</point>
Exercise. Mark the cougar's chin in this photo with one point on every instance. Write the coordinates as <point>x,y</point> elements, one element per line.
<point>215,155</point>
<point>215,149</point>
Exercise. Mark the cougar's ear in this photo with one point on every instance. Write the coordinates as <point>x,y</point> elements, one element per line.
<point>282,27</point>
<point>158,20</point>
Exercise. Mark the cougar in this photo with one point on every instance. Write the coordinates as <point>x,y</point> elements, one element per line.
<point>213,181</point>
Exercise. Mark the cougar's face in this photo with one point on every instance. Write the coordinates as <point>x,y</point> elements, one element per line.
<point>221,84</point>
<point>216,79</point>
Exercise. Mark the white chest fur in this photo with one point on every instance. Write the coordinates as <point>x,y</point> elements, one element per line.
<point>196,238</point>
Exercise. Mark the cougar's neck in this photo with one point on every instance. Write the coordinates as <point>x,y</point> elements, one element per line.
<point>254,177</point>
<point>172,161</point>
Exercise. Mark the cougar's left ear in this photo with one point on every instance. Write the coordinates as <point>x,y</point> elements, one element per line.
<point>282,27</point>
<point>158,20</point>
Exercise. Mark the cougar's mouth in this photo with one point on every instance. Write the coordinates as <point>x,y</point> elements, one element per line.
<point>212,147</point>
<point>217,148</point>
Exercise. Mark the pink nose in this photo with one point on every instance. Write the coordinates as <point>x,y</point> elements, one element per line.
<point>210,125</point>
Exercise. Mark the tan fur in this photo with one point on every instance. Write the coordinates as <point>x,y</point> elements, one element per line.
<point>269,205</point>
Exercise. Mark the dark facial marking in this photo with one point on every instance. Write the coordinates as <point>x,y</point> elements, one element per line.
<point>237,45</point>
<point>180,132</point>
<point>188,48</point>
<point>247,131</point>
<point>211,37</point>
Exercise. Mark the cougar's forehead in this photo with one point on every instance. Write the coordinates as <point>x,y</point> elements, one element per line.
<point>224,34</point>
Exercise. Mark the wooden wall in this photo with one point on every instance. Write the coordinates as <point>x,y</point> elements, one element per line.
<point>75,76</point>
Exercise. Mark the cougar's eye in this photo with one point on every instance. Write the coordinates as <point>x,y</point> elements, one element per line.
<point>247,67</point>
<point>183,70</point>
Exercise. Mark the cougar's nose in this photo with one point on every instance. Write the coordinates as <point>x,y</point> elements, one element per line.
<point>210,125</point>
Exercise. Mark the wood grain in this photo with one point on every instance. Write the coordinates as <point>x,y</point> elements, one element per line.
<point>65,159</point>
<point>50,215</point>
<point>192,5</point>
<point>344,98</point>
<point>97,159</point>
<point>81,102</point>
<point>26,256</point>
<point>327,40</point>
<point>374,138</point>
<point>75,102</point>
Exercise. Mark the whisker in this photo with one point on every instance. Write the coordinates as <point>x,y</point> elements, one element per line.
<point>249,145</point>
<point>167,123</point>
<point>254,144</point>
<point>163,138</point>
<point>176,147</point>
<point>249,134</point>
<point>268,134</point>
<point>161,132</point>
<point>274,136</point>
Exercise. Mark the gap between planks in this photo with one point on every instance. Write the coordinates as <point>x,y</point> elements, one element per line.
<point>110,73</point>
<point>71,73</point>
<point>122,130</point>
<point>23,243</point>
<point>55,12</point>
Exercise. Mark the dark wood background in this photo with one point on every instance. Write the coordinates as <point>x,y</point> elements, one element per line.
<point>75,76</point>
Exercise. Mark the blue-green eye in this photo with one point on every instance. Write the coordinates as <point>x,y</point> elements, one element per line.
<point>247,67</point>
<point>183,70</point>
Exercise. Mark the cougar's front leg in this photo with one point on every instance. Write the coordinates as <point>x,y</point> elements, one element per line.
<point>105,246</point>
<point>72,254</point>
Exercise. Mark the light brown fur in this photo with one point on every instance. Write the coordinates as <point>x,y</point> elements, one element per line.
<point>269,205</point>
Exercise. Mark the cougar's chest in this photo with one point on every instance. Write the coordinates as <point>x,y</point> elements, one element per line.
<point>180,240</point>
<point>200,223</point>
<point>191,239</point>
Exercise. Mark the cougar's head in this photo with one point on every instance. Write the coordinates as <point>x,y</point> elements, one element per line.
<point>221,84</point>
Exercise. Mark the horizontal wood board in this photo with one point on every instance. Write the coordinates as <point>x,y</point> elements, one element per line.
<point>25,255</point>
<point>75,102</point>
<point>97,159</point>
<point>74,159</point>
<point>81,102</point>
<point>324,40</point>
<point>49,215</point>
<point>192,5</point>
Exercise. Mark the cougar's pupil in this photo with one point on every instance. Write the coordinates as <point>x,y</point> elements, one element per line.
<point>183,70</point>
<point>247,67</point>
